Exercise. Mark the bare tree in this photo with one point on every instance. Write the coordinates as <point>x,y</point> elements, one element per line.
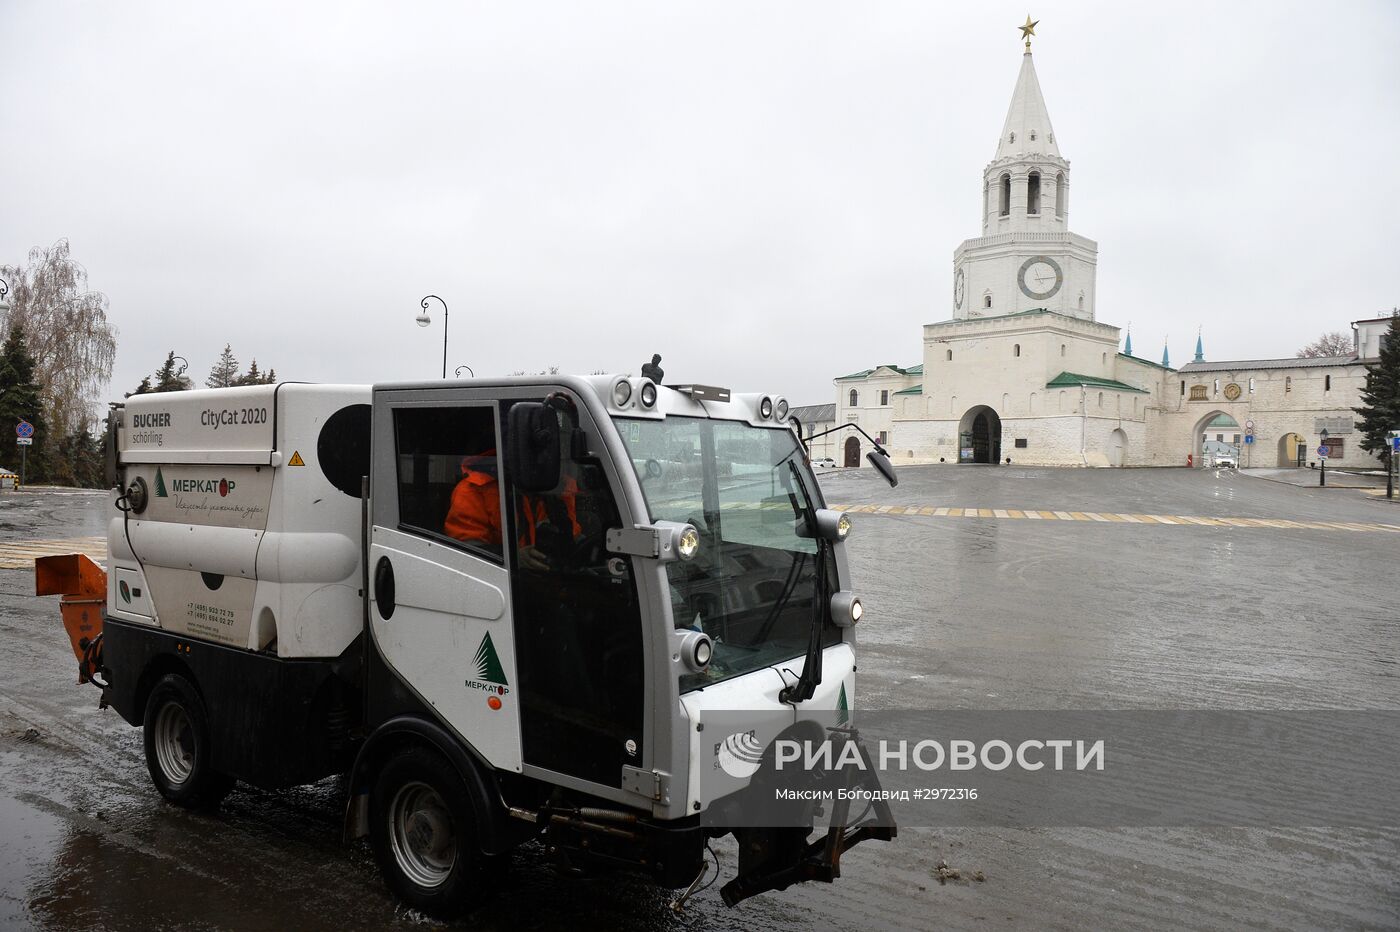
<point>1335,343</point>
<point>73,344</point>
<point>225,371</point>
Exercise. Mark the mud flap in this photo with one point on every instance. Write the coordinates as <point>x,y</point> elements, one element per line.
<point>775,858</point>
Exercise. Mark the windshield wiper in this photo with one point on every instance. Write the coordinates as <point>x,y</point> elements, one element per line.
<point>811,677</point>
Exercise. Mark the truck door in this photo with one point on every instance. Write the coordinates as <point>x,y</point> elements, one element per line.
<point>439,587</point>
<point>577,622</point>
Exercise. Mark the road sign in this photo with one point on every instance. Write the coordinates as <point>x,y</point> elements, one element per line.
<point>1249,425</point>
<point>1395,444</point>
<point>1322,452</point>
<point>24,429</point>
<point>24,441</point>
<point>1248,438</point>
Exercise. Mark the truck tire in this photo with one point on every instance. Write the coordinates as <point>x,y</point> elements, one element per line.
<point>178,750</point>
<point>423,831</point>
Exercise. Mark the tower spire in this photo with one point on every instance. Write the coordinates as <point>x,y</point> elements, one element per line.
<point>1027,127</point>
<point>1128,343</point>
<point>1200,351</point>
<point>1166,360</point>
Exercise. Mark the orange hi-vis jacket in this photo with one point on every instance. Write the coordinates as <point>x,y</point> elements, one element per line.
<point>475,512</point>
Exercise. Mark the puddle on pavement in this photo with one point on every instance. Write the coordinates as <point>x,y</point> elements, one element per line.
<point>31,839</point>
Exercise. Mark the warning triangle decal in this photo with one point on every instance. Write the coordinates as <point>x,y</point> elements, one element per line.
<point>296,459</point>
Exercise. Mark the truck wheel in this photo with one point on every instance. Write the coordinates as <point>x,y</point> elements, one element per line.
<point>178,746</point>
<point>424,836</point>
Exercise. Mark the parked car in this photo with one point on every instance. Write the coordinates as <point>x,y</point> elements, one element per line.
<point>1226,461</point>
<point>824,462</point>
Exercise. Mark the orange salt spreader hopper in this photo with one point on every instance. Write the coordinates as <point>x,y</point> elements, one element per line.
<point>83,585</point>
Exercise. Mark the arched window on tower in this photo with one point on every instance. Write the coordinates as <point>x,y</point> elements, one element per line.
<point>1033,193</point>
<point>986,207</point>
<point>1016,350</point>
<point>854,398</point>
<point>1060,195</point>
<point>1005,210</point>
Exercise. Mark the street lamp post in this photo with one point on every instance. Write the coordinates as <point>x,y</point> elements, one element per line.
<point>424,320</point>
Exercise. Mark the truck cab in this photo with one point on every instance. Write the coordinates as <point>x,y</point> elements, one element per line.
<point>505,609</point>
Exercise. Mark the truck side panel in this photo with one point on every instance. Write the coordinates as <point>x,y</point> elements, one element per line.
<point>275,722</point>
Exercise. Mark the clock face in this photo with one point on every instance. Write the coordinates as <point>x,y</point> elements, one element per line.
<point>1040,277</point>
<point>958,289</point>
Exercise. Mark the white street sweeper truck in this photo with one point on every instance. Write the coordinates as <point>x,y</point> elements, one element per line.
<point>503,609</point>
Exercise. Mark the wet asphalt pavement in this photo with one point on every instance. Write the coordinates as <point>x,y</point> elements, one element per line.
<point>963,613</point>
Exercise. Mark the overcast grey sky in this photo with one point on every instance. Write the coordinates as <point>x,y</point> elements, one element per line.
<point>766,193</point>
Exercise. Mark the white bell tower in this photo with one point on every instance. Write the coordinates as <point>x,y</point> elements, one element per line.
<point>1026,256</point>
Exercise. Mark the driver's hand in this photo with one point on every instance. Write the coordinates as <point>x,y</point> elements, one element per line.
<point>532,558</point>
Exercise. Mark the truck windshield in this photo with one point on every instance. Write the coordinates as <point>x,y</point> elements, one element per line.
<point>751,585</point>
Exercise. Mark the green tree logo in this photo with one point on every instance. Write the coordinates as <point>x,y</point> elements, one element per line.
<point>160,485</point>
<point>843,708</point>
<point>488,665</point>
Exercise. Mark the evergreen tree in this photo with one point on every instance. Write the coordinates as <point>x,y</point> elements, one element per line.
<point>225,371</point>
<point>168,377</point>
<point>252,376</point>
<point>1380,408</point>
<point>19,400</point>
<point>145,388</point>
<point>255,376</point>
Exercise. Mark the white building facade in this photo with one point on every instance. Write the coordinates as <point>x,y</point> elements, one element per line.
<point>1023,371</point>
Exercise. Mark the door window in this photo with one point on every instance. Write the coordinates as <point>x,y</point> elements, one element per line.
<point>448,476</point>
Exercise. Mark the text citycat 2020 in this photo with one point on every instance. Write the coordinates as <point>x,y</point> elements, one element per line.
<point>503,608</point>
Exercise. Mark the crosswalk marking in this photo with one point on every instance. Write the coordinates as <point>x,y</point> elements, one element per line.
<point>1021,514</point>
<point>20,554</point>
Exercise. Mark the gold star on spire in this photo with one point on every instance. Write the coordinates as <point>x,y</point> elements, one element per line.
<point>1028,30</point>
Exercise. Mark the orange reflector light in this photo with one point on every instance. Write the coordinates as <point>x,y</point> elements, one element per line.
<point>493,702</point>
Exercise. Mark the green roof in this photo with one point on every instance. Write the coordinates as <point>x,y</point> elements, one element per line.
<point>913,390</point>
<point>913,370</point>
<point>1069,379</point>
<point>1147,362</point>
<point>1223,420</point>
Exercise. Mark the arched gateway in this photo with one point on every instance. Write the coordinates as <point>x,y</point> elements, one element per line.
<point>979,436</point>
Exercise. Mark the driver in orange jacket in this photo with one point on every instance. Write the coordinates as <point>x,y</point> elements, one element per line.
<point>474,514</point>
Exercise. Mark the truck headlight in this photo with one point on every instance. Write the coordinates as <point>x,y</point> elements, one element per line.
<point>622,393</point>
<point>648,394</point>
<point>780,408</point>
<point>692,649</point>
<point>688,542</point>
<point>833,525</point>
<point>765,407</point>
<point>846,609</point>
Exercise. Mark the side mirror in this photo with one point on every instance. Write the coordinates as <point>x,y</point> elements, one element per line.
<point>882,463</point>
<point>532,447</point>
